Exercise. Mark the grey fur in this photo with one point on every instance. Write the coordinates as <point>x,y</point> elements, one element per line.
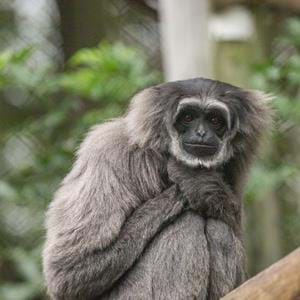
<point>118,227</point>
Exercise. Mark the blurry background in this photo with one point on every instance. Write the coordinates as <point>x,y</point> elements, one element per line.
<point>68,64</point>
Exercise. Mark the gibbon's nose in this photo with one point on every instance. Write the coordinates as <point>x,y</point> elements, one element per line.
<point>201,133</point>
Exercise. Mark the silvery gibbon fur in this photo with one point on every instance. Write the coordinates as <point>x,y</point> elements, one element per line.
<point>153,204</point>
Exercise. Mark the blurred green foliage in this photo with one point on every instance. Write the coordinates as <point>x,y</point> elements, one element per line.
<point>279,169</point>
<point>38,148</point>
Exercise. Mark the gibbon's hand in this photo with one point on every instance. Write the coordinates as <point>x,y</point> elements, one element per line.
<point>205,191</point>
<point>190,182</point>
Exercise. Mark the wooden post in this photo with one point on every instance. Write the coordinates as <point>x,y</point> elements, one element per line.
<point>281,281</point>
<point>185,40</point>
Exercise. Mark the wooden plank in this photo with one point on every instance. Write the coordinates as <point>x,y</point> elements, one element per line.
<point>281,281</point>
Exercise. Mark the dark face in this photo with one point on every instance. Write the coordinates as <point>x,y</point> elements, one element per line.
<point>201,130</point>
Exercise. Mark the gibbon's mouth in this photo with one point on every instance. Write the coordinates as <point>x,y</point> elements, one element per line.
<point>200,150</point>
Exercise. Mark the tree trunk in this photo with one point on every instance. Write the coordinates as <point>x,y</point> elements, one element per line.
<point>83,24</point>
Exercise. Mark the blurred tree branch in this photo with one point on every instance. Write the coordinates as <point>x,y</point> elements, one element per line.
<point>293,5</point>
<point>143,6</point>
<point>286,4</point>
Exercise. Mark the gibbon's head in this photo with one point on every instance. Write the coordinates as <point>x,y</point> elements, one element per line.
<point>201,122</point>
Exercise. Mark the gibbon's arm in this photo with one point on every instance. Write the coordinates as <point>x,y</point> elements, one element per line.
<point>88,274</point>
<point>93,236</point>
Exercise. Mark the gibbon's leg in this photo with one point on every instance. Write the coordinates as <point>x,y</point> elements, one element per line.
<point>227,258</point>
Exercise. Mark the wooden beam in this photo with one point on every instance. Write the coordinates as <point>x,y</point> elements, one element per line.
<point>281,281</point>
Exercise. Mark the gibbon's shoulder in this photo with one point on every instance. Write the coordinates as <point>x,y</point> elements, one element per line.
<point>105,139</point>
<point>104,148</point>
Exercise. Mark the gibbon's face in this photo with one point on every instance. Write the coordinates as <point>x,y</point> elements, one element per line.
<point>202,129</point>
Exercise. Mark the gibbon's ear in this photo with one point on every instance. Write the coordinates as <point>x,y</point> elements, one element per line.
<point>254,115</point>
<point>260,110</point>
<point>146,120</point>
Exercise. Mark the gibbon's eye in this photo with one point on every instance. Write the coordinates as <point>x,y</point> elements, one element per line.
<point>188,118</point>
<point>216,121</point>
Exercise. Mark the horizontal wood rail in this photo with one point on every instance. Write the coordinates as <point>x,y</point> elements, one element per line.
<point>281,281</point>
